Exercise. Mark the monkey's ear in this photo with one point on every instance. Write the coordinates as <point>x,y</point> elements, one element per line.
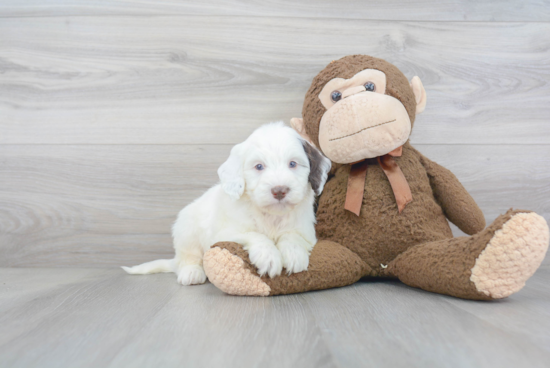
<point>298,125</point>
<point>231,173</point>
<point>419,94</point>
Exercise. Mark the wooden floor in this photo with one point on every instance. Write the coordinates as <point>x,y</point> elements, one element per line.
<point>105,318</point>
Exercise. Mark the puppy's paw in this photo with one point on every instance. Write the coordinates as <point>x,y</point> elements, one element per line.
<point>295,257</point>
<point>267,259</point>
<point>191,275</point>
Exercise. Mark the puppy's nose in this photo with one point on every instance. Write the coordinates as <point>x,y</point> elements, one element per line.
<point>279,192</point>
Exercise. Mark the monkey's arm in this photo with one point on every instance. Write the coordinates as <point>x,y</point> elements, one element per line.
<point>458,205</point>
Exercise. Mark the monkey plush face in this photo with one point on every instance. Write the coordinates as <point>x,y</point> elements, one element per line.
<point>361,120</point>
<point>360,107</point>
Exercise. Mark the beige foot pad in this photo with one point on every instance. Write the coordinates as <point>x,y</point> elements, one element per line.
<point>513,255</point>
<point>229,274</point>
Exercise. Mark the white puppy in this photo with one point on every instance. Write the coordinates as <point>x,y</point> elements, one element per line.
<point>265,202</point>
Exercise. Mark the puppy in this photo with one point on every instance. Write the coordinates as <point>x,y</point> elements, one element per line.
<point>265,202</point>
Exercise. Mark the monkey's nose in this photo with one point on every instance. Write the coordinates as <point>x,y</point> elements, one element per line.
<point>352,91</point>
<point>279,192</point>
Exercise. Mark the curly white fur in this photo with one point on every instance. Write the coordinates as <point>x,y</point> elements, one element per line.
<point>276,233</point>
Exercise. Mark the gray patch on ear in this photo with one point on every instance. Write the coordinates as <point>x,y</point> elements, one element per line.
<point>319,166</point>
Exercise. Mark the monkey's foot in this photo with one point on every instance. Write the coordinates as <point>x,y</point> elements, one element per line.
<point>512,255</point>
<point>491,264</point>
<point>226,269</point>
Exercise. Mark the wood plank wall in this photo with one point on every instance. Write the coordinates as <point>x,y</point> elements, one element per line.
<point>115,114</point>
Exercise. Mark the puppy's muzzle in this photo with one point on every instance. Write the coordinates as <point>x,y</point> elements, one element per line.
<point>279,192</point>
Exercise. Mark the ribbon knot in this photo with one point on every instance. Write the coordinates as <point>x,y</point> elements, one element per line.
<point>398,182</point>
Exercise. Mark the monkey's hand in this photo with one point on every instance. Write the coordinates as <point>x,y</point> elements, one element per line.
<point>457,204</point>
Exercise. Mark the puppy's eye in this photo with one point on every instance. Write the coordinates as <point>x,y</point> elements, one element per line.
<point>370,87</point>
<point>259,167</point>
<point>292,164</point>
<point>336,96</point>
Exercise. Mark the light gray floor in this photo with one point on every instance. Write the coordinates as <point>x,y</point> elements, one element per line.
<point>105,318</point>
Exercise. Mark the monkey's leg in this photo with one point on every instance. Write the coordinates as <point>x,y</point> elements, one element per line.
<point>330,265</point>
<point>491,264</point>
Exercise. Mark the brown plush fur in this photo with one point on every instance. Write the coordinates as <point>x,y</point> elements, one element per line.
<point>446,266</point>
<point>416,245</point>
<point>330,266</point>
<point>380,233</point>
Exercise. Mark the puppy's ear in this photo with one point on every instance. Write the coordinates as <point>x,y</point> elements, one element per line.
<point>319,166</point>
<point>231,173</point>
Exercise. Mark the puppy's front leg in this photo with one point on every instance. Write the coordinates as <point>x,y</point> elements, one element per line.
<point>295,251</point>
<point>263,253</point>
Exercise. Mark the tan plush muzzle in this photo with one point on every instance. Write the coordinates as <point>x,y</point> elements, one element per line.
<point>350,131</point>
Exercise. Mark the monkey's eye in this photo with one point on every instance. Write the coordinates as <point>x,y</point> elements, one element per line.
<point>370,87</point>
<point>259,167</point>
<point>336,96</point>
<point>292,164</point>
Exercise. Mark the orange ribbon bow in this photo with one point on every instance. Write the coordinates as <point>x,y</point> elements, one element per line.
<point>398,182</point>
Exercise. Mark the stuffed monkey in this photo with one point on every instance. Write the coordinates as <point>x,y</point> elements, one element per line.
<point>384,209</point>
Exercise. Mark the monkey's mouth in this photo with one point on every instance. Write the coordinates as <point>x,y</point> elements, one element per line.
<point>362,130</point>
